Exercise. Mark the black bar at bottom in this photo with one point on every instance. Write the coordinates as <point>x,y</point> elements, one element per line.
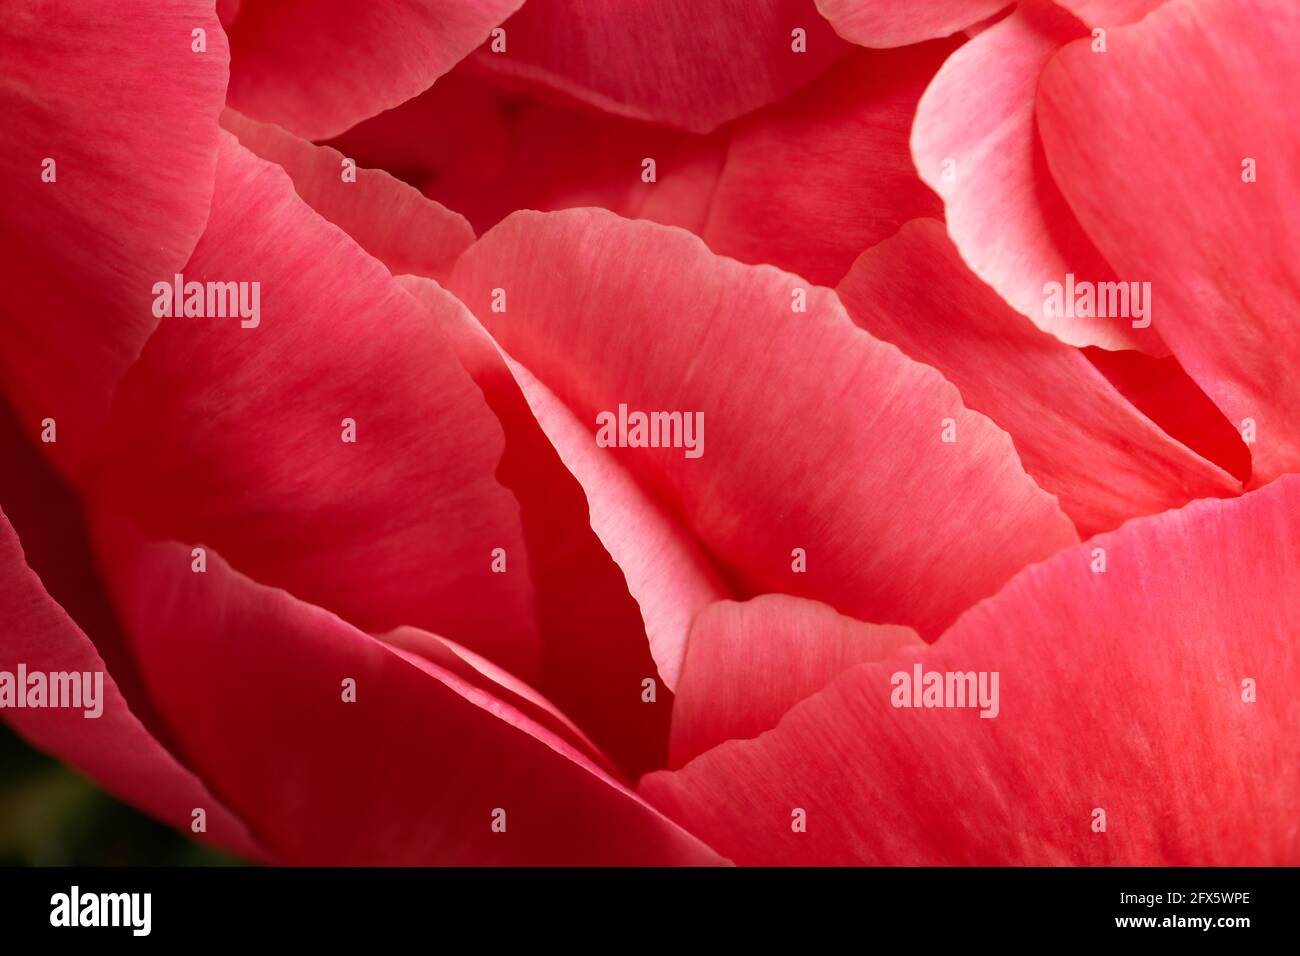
<point>332,906</point>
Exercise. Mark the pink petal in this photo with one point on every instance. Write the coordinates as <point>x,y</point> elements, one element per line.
<point>411,772</point>
<point>605,311</point>
<point>809,184</point>
<point>114,749</point>
<point>317,67</point>
<point>232,436</point>
<point>748,664</point>
<point>1120,691</point>
<point>975,145</point>
<point>883,23</point>
<point>1077,436</point>
<point>590,622</point>
<point>112,94</point>
<point>1212,85</point>
<point>660,565</point>
<point>389,219</point>
<point>1109,13</point>
<point>667,571</point>
<point>691,66</point>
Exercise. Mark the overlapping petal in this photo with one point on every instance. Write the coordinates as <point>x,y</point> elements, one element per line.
<point>317,67</point>
<point>413,770</point>
<point>1109,13</point>
<point>435,654</point>
<point>1077,436</point>
<point>113,748</point>
<point>816,436</point>
<point>590,616</point>
<point>388,218</point>
<point>809,184</point>
<point>1177,153</point>
<point>748,663</point>
<point>805,184</point>
<point>669,573</point>
<point>975,144</point>
<point>690,64</point>
<point>388,571</point>
<point>883,23</point>
<point>1162,390</point>
<point>234,436</point>
<point>106,174</point>
<point>1163,692</point>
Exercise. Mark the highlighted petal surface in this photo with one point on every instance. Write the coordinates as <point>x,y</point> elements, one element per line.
<point>105,180</point>
<point>1078,437</point>
<point>798,410</point>
<point>881,23</point>
<point>1123,692</point>
<point>975,144</point>
<point>1156,149</point>
<point>748,663</point>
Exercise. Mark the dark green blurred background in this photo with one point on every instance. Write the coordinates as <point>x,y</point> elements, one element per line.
<point>52,816</point>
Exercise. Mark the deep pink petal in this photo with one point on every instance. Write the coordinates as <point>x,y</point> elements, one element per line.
<point>317,67</point>
<point>389,219</point>
<point>472,117</point>
<point>884,23</point>
<point>805,184</point>
<point>112,94</point>
<point>1163,391</point>
<point>499,151</point>
<point>540,169</point>
<point>974,143</point>
<point>1211,84</point>
<point>1077,436</point>
<point>817,436</point>
<point>436,655</point>
<point>233,436</point>
<point>748,664</point>
<point>250,680</point>
<point>809,184</point>
<point>1120,691</point>
<point>114,749</point>
<point>688,65</point>
<point>227,10</point>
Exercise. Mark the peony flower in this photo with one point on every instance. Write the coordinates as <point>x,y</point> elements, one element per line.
<point>499,432</point>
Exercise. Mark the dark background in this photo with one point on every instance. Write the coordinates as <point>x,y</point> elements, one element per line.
<point>53,816</point>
